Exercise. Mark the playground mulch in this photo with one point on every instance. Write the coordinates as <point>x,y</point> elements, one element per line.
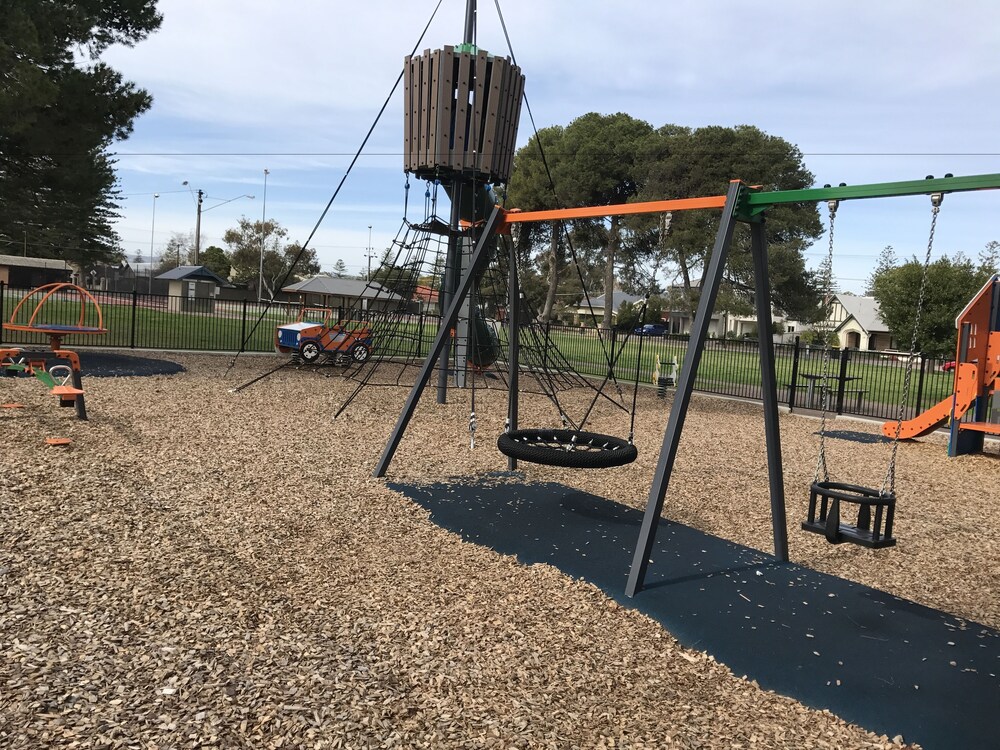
<point>201,568</point>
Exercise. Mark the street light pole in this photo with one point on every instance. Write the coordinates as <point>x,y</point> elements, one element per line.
<point>197,229</point>
<point>152,232</point>
<point>263,237</point>
<point>369,278</point>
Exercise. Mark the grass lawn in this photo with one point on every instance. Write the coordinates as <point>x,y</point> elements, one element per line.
<point>725,364</point>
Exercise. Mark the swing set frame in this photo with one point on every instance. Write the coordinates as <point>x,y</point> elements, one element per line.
<point>742,203</point>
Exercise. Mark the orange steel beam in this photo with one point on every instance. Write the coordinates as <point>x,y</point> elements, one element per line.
<point>515,216</point>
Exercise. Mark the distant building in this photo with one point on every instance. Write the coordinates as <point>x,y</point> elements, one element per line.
<point>857,323</point>
<point>585,315</point>
<point>192,288</point>
<point>343,294</point>
<point>24,272</point>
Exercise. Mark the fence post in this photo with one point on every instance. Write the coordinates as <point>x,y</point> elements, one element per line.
<point>920,385</point>
<point>845,356</point>
<point>135,316</point>
<point>3,311</point>
<point>795,375</point>
<point>243,327</point>
<point>611,359</point>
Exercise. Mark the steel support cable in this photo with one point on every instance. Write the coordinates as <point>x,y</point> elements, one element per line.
<point>336,191</point>
<point>548,174</point>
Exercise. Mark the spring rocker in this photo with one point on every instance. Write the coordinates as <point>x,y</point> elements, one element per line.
<point>56,368</point>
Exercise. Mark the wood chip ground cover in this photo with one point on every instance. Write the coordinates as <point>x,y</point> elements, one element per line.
<point>204,569</point>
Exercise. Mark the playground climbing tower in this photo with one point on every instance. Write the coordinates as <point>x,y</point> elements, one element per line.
<point>461,109</point>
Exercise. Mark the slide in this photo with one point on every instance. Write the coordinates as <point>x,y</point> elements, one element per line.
<point>966,381</point>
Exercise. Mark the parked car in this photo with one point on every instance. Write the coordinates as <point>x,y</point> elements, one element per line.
<point>948,366</point>
<point>651,329</point>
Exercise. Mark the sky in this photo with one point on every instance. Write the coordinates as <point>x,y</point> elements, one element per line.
<point>868,91</point>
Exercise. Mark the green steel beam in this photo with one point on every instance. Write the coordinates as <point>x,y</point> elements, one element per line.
<point>755,202</point>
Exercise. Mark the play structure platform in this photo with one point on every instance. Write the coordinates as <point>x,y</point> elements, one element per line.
<point>973,408</point>
<point>884,663</point>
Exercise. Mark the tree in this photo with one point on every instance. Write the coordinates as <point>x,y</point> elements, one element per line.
<point>989,258</point>
<point>216,260</point>
<point>58,117</point>
<point>251,240</point>
<point>176,253</point>
<point>601,164</point>
<point>683,162</point>
<point>951,283</point>
<point>530,189</point>
<point>340,268</point>
<point>886,261</point>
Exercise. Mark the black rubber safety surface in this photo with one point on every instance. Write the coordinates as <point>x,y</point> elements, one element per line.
<point>111,365</point>
<point>884,663</point>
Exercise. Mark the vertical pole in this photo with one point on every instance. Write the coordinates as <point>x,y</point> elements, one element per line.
<point>514,343</point>
<point>197,231</point>
<point>795,375</point>
<point>3,311</point>
<point>920,385</point>
<point>470,22</point>
<point>769,389</point>
<point>451,271</point>
<point>152,234</point>
<point>79,404</point>
<point>135,317</point>
<point>243,326</point>
<point>479,257</point>
<point>845,357</point>
<point>711,281</point>
<point>263,240</point>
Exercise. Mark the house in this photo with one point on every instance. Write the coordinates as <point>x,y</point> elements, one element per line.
<point>857,323</point>
<point>582,314</point>
<point>192,288</point>
<point>23,272</point>
<point>427,297</point>
<point>344,294</point>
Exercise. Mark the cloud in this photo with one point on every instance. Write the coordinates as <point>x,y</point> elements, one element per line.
<point>869,91</point>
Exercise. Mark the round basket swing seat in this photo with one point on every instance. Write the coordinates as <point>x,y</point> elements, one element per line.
<point>569,448</point>
<point>875,514</point>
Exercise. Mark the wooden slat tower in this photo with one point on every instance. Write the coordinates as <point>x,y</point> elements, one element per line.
<point>461,109</point>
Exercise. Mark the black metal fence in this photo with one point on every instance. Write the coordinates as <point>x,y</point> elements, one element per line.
<point>868,383</point>
<point>138,320</point>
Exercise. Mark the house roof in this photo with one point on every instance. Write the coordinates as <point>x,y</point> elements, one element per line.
<point>616,300</point>
<point>864,310</point>
<point>192,272</point>
<point>20,261</point>
<point>331,286</point>
<point>425,293</point>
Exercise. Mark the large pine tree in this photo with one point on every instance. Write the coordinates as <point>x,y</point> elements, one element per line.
<point>61,109</point>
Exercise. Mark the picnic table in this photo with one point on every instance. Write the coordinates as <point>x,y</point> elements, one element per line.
<point>817,386</point>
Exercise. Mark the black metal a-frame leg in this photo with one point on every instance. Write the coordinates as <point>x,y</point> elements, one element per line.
<point>675,423</point>
<point>444,332</point>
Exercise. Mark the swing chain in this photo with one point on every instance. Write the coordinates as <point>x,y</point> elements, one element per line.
<point>821,467</point>
<point>890,476</point>
<point>472,430</point>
